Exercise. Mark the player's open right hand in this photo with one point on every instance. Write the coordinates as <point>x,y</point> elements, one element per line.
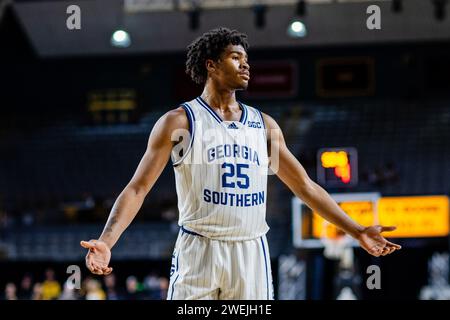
<point>374,243</point>
<point>98,256</point>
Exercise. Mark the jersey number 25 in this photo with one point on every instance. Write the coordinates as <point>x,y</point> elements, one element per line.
<point>242,180</point>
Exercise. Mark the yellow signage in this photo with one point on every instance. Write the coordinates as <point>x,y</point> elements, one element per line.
<point>425,216</point>
<point>414,217</point>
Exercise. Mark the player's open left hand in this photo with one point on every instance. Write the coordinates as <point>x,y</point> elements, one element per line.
<point>98,256</point>
<point>374,243</point>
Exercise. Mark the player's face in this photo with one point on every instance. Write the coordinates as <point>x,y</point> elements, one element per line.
<point>234,70</point>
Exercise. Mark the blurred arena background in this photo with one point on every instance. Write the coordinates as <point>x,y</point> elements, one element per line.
<point>366,111</point>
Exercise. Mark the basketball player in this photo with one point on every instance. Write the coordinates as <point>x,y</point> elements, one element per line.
<point>221,169</point>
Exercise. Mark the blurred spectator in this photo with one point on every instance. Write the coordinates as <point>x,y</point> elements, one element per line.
<point>6,220</point>
<point>163,288</point>
<point>94,290</point>
<point>10,291</point>
<point>69,293</point>
<point>28,218</point>
<point>26,287</point>
<point>112,293</point>
<point>51,289</point>
<point>88,202</point>
<point>391,173</point>
<point>132,289</point>
<point>151,286</point>
<point>156,287</point>
<point>37,292</point>
<point>382,175</point>
<point>80,211</point>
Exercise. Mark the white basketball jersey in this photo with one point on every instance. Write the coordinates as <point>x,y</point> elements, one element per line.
<point>221,176</point>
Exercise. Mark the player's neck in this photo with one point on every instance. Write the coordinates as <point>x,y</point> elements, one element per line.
<point>217,98</point>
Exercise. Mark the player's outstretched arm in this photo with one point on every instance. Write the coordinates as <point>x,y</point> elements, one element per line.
<point>292,173</point>
<point>131,198</point>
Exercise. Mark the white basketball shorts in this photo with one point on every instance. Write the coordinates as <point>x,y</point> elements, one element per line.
<point>204,268</point>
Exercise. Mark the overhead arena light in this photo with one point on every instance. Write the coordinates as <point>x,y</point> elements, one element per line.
<point>120,39</point>
<point>297,29</point>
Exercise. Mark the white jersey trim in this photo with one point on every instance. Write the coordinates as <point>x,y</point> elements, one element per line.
<point>262,121</point>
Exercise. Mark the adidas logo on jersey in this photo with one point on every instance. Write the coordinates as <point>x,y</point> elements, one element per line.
<point>232,126</point>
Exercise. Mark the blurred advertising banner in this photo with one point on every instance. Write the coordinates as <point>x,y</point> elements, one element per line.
<point>423,216</point>
<point>272,79</point>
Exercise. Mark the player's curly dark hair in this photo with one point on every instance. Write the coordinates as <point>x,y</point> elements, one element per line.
<point>209,46</point>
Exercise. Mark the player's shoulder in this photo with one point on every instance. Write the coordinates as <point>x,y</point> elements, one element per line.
<point>182,112</point>
<point>176,114</point>
<point>269,121</point>
<point>175,118</point>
